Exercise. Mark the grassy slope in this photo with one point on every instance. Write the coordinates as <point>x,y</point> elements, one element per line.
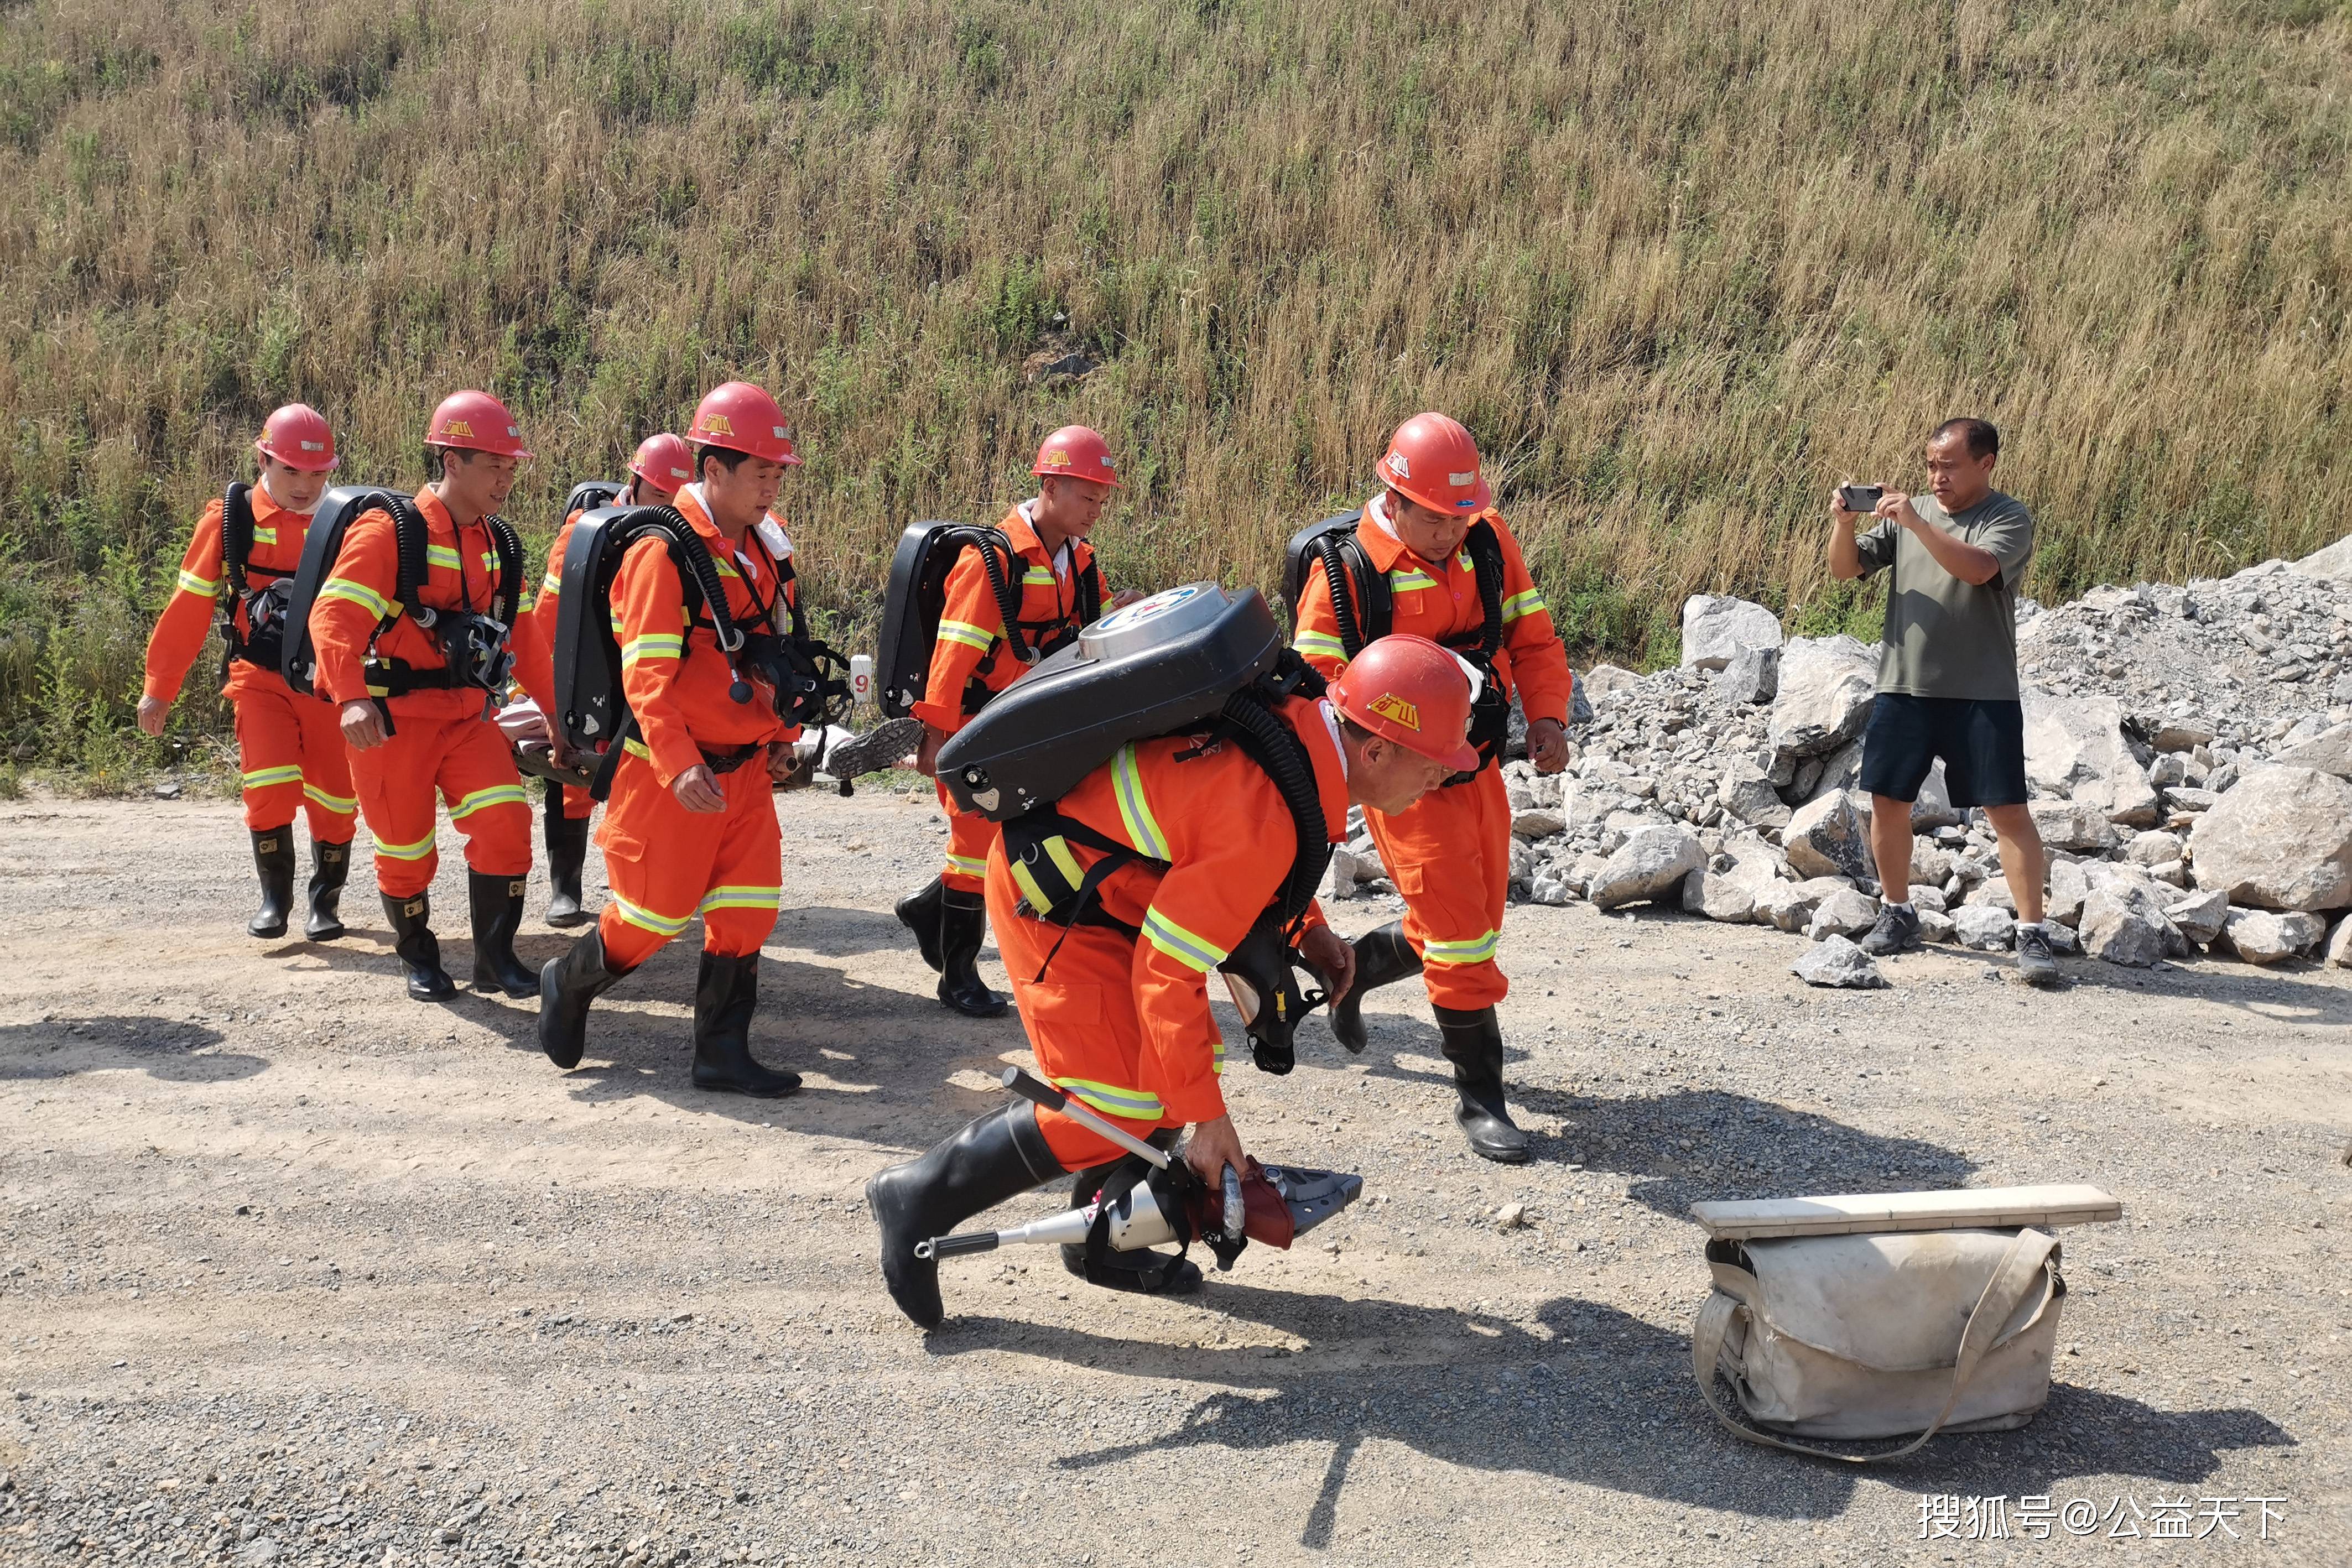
<point>1677,266</point>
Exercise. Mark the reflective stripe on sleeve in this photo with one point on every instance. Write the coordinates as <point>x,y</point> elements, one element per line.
<point>1477,950</point>
<point>971,636</point>
<point>263,777</point>
<point>651,645</point>
<point>361,594</point>
<point>339,805</point>
<point>645,919</point>
<point>494,795</point>
<point>552,583</point>
<point>965,865</point>
<point>415,851</point>
<point>1526,602</point>
<point>1114,1100</point>
<point>743,897</point>
<point>1134,809</point>
<point>202,587</point>
<point>1185,946</point>
<point>1405,579</point>
<point>1319,645</point>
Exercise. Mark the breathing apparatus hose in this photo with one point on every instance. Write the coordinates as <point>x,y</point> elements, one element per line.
<point>508,602</point>
<point>1336,576</point>
<point>1274,748</point>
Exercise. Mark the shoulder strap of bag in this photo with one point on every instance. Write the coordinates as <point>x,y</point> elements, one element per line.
<point>2012,1283</point>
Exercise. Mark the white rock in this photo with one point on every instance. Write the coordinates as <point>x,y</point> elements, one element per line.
<point>1537,822</point>
<point>2120,930</point>
<point>1827,837</point>
<point>1716,631</point>
<point>1844,913</point>
<point>1933,808</point>
<point>1748,794</point>
<point>1838,964</point>
<point>2201,916</point>
<point>2152,847</point>
<point>1827,684</point>
<point>2330,752</point>
<point>2333,563</point>
<point>1984,928</point>
<point>1935,925</point>
<point>1926,899</point>
<point>1718,897</point>
<point>1787,906</point>
<point>2069,887</point>
<point>1931,862</point>
<point>1992,893</point>
<point>2339,945</point>
<point>2272,936</point>
<point>2182,735</point>
<point>2079,825</point>
<point>2074,747</point>
<point>1752,678</point>
<point>2281,839</point>
<point>1347,872</point>
<point>1651,864</point>
<point>2175,873</point>
<point>1602,679</point>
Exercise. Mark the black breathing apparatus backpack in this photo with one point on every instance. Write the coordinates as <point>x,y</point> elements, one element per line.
<point>474,642</point>
<point>916,597</point>
<point>591,707</point>
<point>262,640</point>
<point>1196,660</point>
<point>1367,611</point>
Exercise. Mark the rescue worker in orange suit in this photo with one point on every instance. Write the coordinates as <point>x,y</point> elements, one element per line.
<point>691,825</point>
<point>1450,855</point>
<point>1122,1022</point>
<point>659,468</point>
<point>973,660</point>
<point>290,755</point>
<point>414,722</point>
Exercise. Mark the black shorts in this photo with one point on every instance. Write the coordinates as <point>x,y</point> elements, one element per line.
<point>1982,745</point>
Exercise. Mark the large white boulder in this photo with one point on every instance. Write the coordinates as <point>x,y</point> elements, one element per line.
<point>1984,928</point>
<point>1827,684</point>
<point>2200,916</point>
<point>2074,747</point>
<point>2272,936</point>
<point>1838,964</point>
<point>1651,864</point>
<point>2282,839</point>
<point>1828,837</point>
<point>2120,928</point>
<point>1602,679</point>
<point>2330,751</point>
<point>2333,563</point>
<point>1717,630</point>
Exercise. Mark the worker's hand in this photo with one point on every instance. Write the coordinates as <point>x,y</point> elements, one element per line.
<point>1837,504</point>
<point>926,755</point>
<point>532,730</point>
<point>1125,597</point>
<point>1331,956</point>
<point>1896,507</point>
<point>152,714</point>
<point>1212,1147</point>
<point>1547,745</point>
<point>698,790</point>
<point>362,726</point>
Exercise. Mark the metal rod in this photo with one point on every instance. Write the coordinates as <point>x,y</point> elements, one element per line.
<point>1037,1092</point>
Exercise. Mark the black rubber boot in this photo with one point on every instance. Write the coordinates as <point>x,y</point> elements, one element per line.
<point>567,855</point>
<point>964,922</point>
<point>273,858</point>
<point>1473,1043</point>
<point>1001,1155</point>
<point>566,987</point>
<point>412,929</point>
<point>919,912</point>
<point>1144,1273</point>
<point>497,915</point>
<point>1382,958</point>
<point>724,999</point>
<point>330,865</point>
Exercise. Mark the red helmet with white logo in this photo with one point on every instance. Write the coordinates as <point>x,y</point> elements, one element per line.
<point>742,418</point>
<point>1432,459</point>
<point>476,421</point>
<point>662,461</point>
<point>1408,689</point>
<point>299,436</point>
<point>1075,451</point>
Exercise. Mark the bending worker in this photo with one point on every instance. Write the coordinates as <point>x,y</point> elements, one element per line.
<point>691,825</point>
<point>1060,592</point>
<point>290,754</point>
<point>1449,855</point>
<point>413,698</point>
<point>1122,1022</point>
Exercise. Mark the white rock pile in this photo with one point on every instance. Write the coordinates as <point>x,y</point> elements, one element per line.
<point>2189,751</point>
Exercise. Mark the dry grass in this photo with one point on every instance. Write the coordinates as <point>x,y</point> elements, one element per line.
<point>1678,267</point>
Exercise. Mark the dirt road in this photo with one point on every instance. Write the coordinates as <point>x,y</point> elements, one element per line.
<point>296,1270</point>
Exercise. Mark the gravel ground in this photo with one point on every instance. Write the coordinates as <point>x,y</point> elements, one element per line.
<point>295,1270</point>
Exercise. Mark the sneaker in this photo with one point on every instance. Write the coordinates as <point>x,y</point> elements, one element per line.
<point>885,746</point>
<point>2036,964</point>
<point>1897,931</point>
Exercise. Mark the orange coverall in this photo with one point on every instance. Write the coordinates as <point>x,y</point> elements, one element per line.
<point>663,863</point>
<point>970,653</point>
<point>440,738</point>
<point>291,751</point>
<point>534,645</point>
<point>1450,852</point>
<point>1123,1023</point>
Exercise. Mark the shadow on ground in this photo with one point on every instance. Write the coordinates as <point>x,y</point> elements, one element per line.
<point>163,1047</point>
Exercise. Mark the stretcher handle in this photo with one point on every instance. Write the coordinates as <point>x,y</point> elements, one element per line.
<point>1037,1092</point>
<point>957,1246</point>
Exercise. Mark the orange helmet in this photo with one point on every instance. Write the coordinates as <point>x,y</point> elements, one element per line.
<point>1076,452</point>
<point>1432,459</point>
<point>1408,689</point>
<point>299,436</point>
<point>662,461</point>
<point>476,421</point>
<point>740,417</point>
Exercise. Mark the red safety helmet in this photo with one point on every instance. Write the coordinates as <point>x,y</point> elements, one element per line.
<point>742,418</point>
<point>1432,459</point>
<point>1076,452</point>
<point>662,460</point>
<point>299,436</point>
<point>476,421</point>
<point>1409,690</point>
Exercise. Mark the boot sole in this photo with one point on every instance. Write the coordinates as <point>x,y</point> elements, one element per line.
<point>266,933</point>
<point>724,1087</point>
<point>995,1008</point>
<point>566,922</point>
<point>484,984</point>
<point>434,994</point>
<point>327,934</point>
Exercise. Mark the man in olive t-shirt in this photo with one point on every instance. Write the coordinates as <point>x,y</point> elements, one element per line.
<point>1948,674</point>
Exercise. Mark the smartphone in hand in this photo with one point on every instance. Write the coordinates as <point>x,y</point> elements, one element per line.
<point>1860,498</point>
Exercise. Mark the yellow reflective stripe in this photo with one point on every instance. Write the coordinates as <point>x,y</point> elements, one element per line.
<point>1040,577</point>
<point>1113,1100</point>
<point>361,594</point>
<point>441,555</point>
<point>1475,950</point>
<point>1030,891</point>
<point>638,748</point>
<point>1313,644</point>
<point>965,865</point>
<point>1057,850</point>
<point>652,645</point>
<point>1217,1055</point>
<point>1525,603</point>
<point>1184,946</point>
<point>725,570</point>
<point>740,898</point>
<point>336,803</point>
<point>646,920</point>
<point>1404,580</point>
<point>415,851</point>
<point>971,636</point>
<point>494,795</point>
<point>1134,811</point>
<point>204,587</point>
<point>552,583</point>
<point>265,536</point>
<point>262,777</point>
